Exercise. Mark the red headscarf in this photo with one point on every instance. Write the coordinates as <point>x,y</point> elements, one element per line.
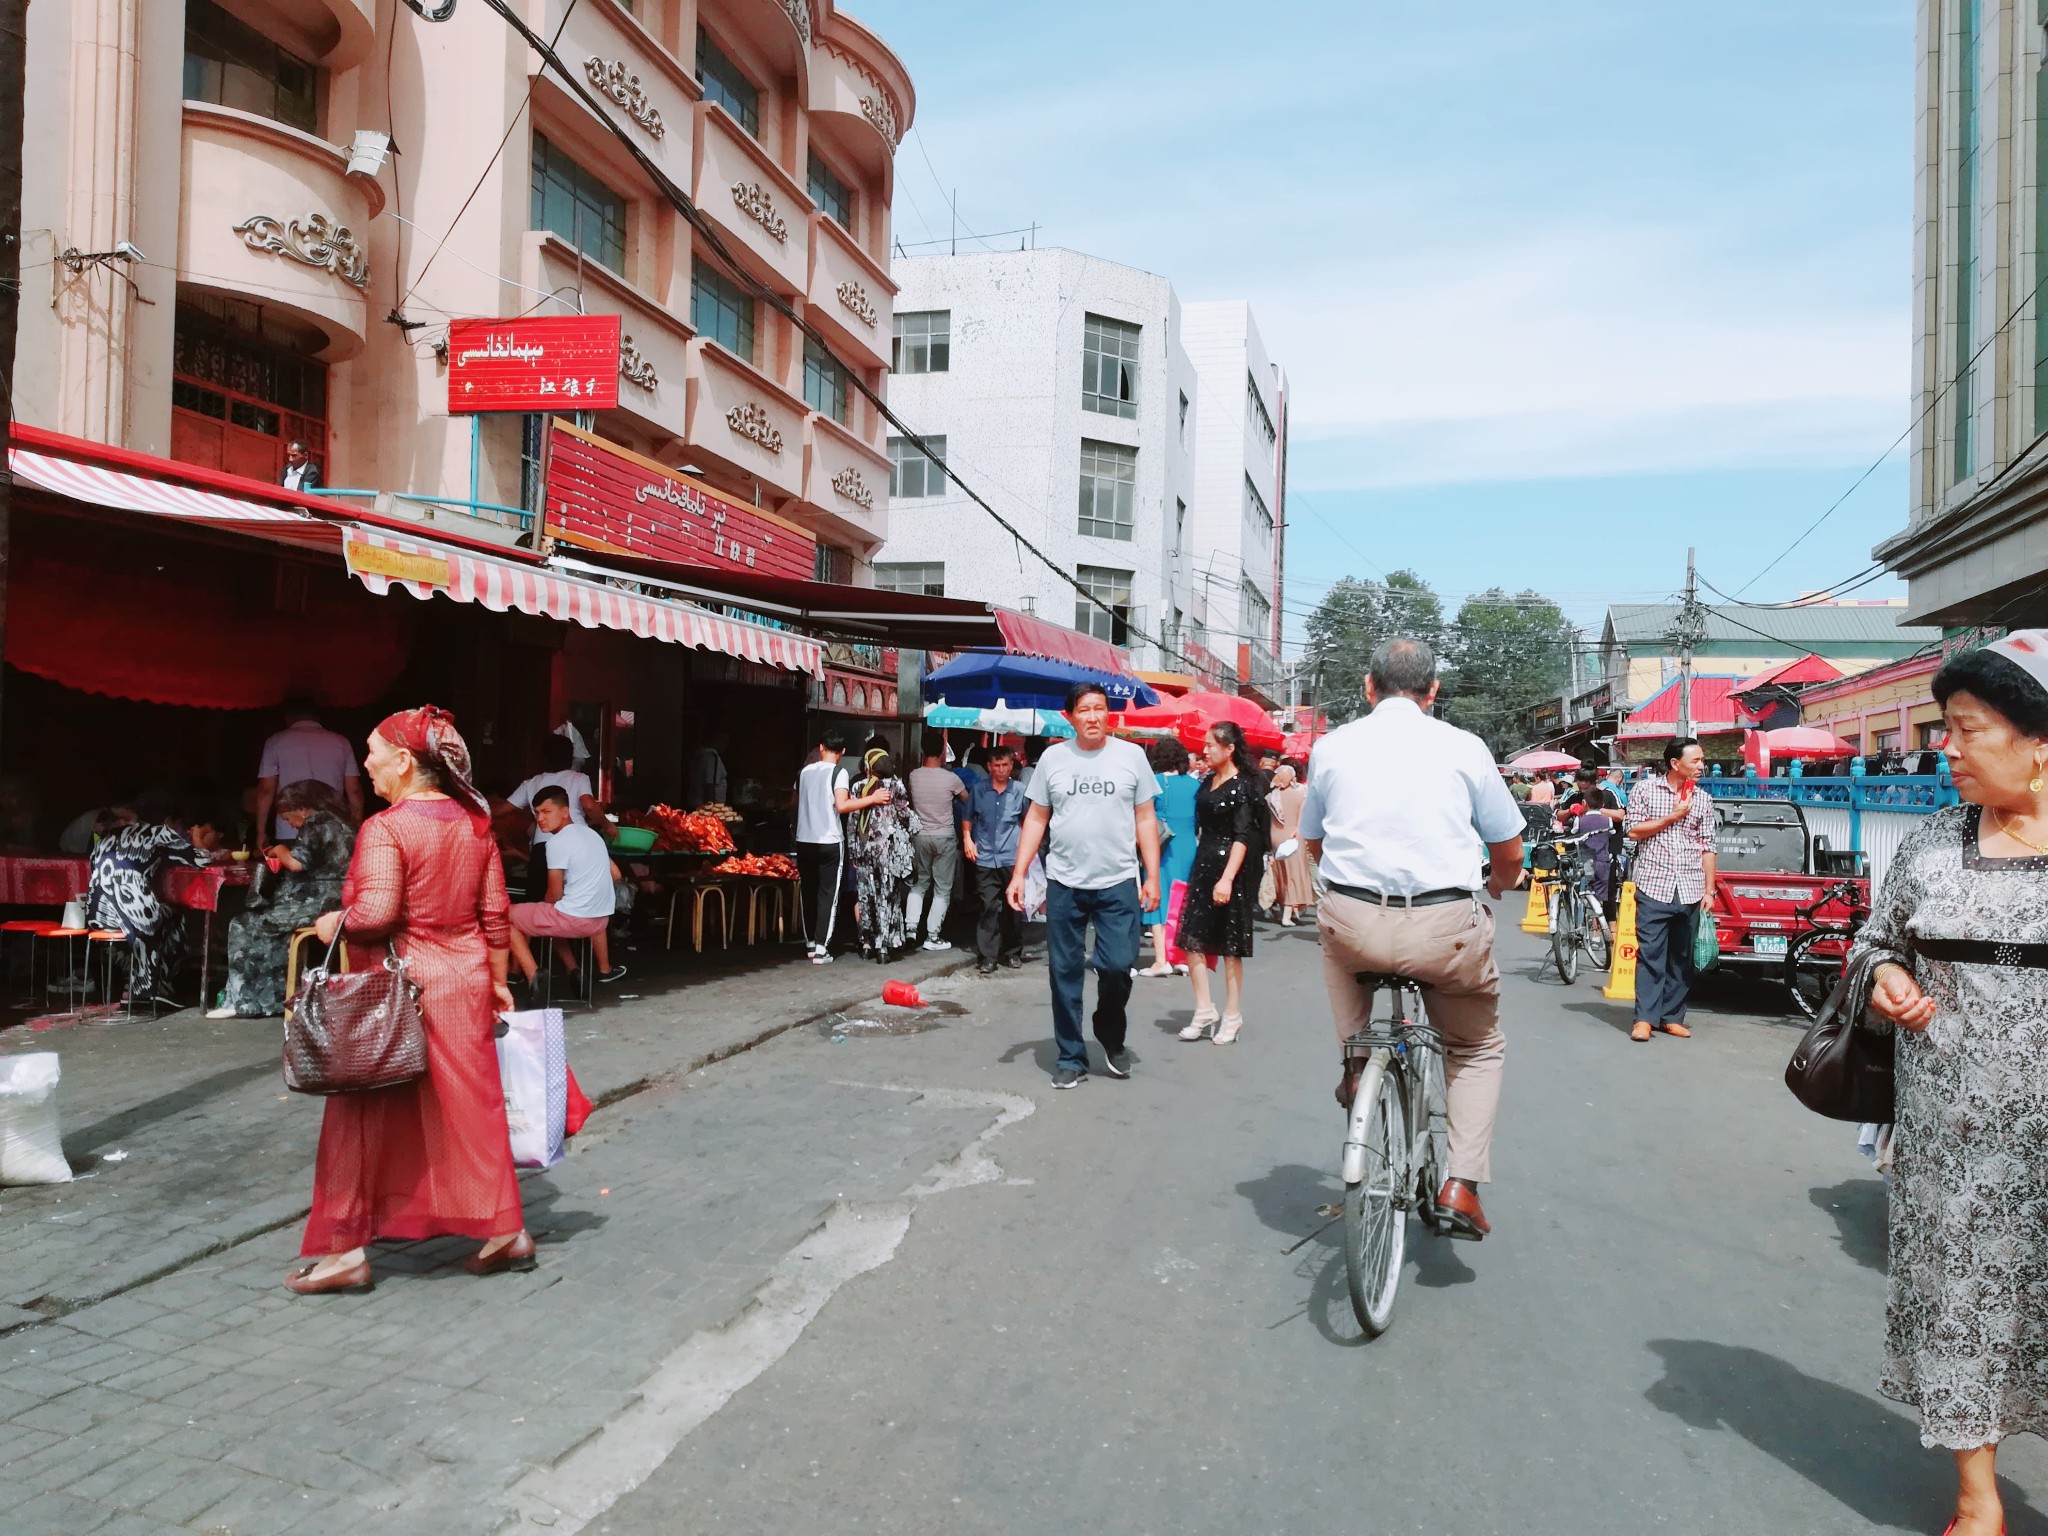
<point>429,734</point>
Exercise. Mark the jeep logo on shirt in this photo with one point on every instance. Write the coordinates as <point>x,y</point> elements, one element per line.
<point>1092,787</point>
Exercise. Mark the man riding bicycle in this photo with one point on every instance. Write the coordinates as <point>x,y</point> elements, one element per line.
<point>1394,800</point>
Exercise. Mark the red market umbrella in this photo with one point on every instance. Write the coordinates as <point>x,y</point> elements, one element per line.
<point>1543,762</point>
<point>1806,741</point>
<point>1161,719</point>
<point>1260,733</point>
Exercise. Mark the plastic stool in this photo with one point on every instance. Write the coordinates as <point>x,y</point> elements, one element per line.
<point>586,974</point>
<point>76,989</point>
<point>114,940</point>
<point>701,892</point>
<point>32,929</point>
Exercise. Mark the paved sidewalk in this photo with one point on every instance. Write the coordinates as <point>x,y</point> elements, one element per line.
<point>213,1152</point>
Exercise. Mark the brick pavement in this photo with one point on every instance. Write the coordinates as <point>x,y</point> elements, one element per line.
<point>217,1153</point>
<point>210,1400</point>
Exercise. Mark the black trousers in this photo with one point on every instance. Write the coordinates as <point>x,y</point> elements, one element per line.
<point>1663,958</point>
<point>1000,931</point>
<point>820,868</point>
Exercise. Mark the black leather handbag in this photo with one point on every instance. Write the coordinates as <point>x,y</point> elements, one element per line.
<point>354,1032</point>
<point>1841,1069</point>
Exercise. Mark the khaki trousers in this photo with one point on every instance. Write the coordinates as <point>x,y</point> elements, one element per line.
<point>1447,948</point>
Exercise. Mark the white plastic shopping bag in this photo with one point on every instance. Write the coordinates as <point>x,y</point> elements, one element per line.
<point>1034,891</point>
<point>31,1145</point>
<point>533,1065</point>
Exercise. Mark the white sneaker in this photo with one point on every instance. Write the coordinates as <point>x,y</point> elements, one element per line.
<point>937,944</point>
<point>822,957</point>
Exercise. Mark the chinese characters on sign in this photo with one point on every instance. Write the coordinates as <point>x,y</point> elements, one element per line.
<point>558,362</point>
<point>603,497</point>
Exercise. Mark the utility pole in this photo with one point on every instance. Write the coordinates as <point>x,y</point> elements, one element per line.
<point>1691,631</point>
<point>13,81</point>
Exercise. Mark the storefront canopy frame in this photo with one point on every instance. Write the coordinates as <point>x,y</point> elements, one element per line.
<point>874,614</point>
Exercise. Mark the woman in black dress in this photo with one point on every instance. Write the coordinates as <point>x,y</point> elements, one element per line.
<point>1216,913</point>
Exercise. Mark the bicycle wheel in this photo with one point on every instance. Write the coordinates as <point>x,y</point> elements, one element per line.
<point>1567,925</point>
<point>1375,1215</point>
<point>1599,940</point>
<point>1810,975</point>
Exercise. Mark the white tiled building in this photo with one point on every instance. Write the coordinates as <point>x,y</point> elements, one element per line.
<point>1062,391</point>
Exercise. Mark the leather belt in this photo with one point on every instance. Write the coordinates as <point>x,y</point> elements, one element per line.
<point>2032,957</point>
<point>1381,899</point>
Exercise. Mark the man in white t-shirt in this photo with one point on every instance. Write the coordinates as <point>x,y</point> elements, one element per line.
<point>824,794</point>
<point>1095,793</point>
<point>580,898</point>
<point>556,757</point>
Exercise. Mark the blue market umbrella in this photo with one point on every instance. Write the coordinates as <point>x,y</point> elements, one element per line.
<point>981,679</point>
<point>999,717</point>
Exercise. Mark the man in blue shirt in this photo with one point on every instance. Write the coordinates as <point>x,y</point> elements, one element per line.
<point>995,812</point>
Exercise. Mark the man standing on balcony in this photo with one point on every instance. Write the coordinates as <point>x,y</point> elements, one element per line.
<point>300,472</point>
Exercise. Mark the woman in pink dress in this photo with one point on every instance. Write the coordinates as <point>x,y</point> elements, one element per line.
<point>429,1157</point>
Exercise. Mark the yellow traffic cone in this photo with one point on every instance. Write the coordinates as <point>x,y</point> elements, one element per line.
<point>1621,980</point>
<point>1537,918</point>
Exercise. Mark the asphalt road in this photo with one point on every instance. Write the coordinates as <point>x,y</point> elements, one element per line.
<point>1675,1325</point>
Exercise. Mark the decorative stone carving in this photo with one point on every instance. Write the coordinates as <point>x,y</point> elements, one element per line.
<point>856,299</point>
<point>314,241</point>
<point>634,368</point>
<point>849,484</point>
<point>753,200</point>
<point>799,12</point>
<point>623,86</point>
<point>751,421</point>
<point>879,111</point>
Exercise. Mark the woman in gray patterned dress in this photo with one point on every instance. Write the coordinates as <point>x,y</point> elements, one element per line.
<point>306,883</point>
<point>882,852</point>
<point>1962,920</point>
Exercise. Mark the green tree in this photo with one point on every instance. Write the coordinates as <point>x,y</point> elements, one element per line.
<point>1506,654</point>
<point>1353,617</point>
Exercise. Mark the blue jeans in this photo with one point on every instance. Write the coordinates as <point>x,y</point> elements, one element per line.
<point>1068,911</point>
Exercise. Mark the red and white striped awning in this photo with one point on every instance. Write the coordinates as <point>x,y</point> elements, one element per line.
<point>102,487</point>
<point>385,562</point>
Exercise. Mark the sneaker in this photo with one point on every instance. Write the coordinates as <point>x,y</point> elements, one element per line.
<point>938,944</point>
<point>821,957</point>
<point>614,974</point>
<point>1068,1077</point>
<point>1117,1063</point>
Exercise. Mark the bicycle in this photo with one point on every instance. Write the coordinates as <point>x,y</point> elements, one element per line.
<point>1814,960</point>
<point>1396,1146</point>
<point>1577,919</point>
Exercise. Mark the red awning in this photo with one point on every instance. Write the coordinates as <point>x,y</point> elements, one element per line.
<point>1028,635</point>
<point>386,561</point>
<point>98,486</point>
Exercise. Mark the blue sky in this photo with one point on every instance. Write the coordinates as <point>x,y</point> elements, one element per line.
<point>1560,289</point>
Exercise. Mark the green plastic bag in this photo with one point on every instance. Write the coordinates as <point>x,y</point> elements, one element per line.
<point>1706,941</point>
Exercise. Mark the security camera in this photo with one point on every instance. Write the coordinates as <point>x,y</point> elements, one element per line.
<point>128,250</point>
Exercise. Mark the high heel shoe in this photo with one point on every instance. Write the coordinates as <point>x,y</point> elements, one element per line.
<point>1204,1020</point>
<point>1226,1033</point>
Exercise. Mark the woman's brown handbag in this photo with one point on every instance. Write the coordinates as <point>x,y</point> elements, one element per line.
<point>354,1032</point>
<point>1841,1069</point>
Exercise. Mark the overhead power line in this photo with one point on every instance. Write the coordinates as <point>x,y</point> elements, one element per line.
<point>714,242</point>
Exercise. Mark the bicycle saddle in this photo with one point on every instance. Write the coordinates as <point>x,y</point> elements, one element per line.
<point>1378,979</point>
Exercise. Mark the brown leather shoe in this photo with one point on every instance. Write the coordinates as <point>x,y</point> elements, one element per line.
<point>1460,1206</point>
<point>1641,1030</point>
<point>1347,1086</point>
<point>1679,1030</point>
<point>517,1254</point>
<point>355,1278</point>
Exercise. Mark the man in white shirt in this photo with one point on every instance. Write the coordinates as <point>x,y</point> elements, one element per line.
<point>556,770</point>
<point>305,749</point>
<point>580,894</point>
<point>824,794</point>
<point>1095,794</point>
<point>1398,805</point>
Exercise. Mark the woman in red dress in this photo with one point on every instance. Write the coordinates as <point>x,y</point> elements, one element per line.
<point>429,1157</point>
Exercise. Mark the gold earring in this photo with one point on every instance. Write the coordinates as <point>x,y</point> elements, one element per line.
<point>2034,784</point>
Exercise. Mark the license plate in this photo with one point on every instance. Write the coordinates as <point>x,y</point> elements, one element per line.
<point>1769,943</point>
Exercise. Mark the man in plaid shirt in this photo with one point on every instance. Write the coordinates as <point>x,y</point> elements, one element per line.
<point>1672,825</point>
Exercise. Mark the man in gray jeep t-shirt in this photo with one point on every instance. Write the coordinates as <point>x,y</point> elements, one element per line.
<point>1095,794</point>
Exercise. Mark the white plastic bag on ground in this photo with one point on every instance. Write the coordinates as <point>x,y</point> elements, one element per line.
<point>31,1145</point>
<point>533,1066</point>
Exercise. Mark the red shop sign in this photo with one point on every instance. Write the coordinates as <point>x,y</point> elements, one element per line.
<point>605,497</point>
<point>552,363</point>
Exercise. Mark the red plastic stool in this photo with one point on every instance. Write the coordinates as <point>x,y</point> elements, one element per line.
<point>32,928</point>
<point>115,941</point>
<point>77,977</point>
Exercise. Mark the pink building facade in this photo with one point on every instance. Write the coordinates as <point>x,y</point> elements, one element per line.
<point>208,275</point>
